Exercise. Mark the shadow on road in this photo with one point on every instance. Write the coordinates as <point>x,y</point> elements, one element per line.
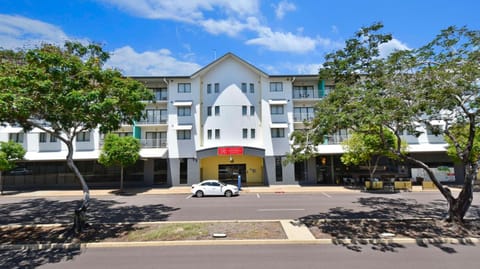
<point>43,211</point>
<point>384,217</point>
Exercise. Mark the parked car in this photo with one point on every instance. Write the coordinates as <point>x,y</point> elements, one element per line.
<point>19,171</point>
<point>214,188</point>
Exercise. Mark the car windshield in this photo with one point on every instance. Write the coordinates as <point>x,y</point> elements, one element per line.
<point>223,183</point>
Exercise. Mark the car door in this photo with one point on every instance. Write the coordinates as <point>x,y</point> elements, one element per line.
<point>215,188</point>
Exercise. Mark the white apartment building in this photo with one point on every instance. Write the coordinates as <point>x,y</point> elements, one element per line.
<point>226,120</point>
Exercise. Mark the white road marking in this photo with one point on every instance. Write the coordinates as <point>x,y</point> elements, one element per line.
<point>258,195</point>
<point>280,209</point>
<point>188,197</point>
<point>329,196</point>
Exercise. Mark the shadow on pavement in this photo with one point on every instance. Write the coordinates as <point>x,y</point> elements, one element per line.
<point>43,211</point>
<point>389,216</point>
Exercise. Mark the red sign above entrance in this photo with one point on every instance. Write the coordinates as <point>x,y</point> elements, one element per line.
<point>230,151</point>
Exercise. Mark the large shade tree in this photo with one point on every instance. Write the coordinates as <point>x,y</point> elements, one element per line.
<point>437,84</point>
<point>64,91</point>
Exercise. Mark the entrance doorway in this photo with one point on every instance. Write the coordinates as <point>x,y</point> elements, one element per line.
<point>229,172</point>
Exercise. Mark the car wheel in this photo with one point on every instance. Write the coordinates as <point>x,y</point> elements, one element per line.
<point>228,193</point>
<point>199,194</point>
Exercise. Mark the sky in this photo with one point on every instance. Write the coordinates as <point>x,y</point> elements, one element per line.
<point>178,37</point>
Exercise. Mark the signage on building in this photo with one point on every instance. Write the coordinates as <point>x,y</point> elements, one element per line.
<point>230,151</point>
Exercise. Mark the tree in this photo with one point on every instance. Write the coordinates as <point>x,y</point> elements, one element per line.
<point>438,82</point>
<point>121,151</point>
<point>366,148</point>
<point>64,91</point>
<point>10,153</point>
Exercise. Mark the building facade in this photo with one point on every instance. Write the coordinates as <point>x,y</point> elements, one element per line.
<point>228,119</point>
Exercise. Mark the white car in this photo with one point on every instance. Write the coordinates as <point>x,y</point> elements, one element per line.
<point>214,187</point>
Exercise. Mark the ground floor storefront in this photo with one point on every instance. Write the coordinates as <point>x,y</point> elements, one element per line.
<point>250,165</point>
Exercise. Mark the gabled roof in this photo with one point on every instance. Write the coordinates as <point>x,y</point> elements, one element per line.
<point>228,55</point>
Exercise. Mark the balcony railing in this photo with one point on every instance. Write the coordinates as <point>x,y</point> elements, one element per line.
<point>151,121</point>
<point>153,143</point>
<point>305,94</point>
<point>301,117</point>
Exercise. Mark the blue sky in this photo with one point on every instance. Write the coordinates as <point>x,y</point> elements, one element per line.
<point>177,37</point>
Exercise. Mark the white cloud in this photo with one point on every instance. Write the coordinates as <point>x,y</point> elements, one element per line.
<point>149,63</point>
<point>229,27</point>
<point>232,18</point>
<point>185,10</point>
<point>283,7</point>
<point>20,32</point>
<point>285,42</point>
<point>391,46</point>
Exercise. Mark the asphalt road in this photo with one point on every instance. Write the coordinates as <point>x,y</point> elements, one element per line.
<point>272,256</point>
<point>113,209</point>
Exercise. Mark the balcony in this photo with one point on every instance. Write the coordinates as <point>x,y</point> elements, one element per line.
<point>301,117</point>
<point>153,143</point>
<point>151,122</point>
<point>305,93</point>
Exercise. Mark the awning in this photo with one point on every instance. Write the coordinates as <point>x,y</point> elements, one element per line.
<point>10,129</point>
<point>278,125</point>
<point>153,153</point>
<point>277,102</point>
<point>183,127</point>
<point>61,155</point>
<point>182,103</point>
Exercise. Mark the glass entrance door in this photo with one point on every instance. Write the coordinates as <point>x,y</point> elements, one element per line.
<point>229,173</point>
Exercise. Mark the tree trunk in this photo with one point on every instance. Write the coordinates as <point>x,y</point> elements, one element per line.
<point>1,183</point>
<point>121,179</point>
<point>457,207</point>
<point>73,167</point>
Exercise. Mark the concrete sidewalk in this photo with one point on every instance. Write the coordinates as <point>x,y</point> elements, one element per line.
<point>186,190</point>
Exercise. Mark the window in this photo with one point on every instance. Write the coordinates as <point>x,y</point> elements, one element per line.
<point>184,134</point>
<point>434,130</point>
<point>183,171</point>
<point>217,87</point>
<point>301,92</point>
<point>252,111</point>
<point>217,133</point>
<point>155,140</point>
<point>209,134</point>
<point>160,94</point>
<point>278,132</point>
<point>278,169</point>
<point>83,137</point>
<point>184,87</point>
<point>42,138</point>
<point>217,110</point>
<point>276,109</point>
<point>122,134</point>
<point>53,139</point>
<point>155,116</point>
<point>244,87</point>
<point>244,133</point>
<point>184,111</point>
<point>16,137</point>
<point>301,114</point>
<point>276,87</point>
<point>244,110</point>
<point>252,133</point>
<point>209,111</point>
<point>252,88</point>
<point>209,88</point>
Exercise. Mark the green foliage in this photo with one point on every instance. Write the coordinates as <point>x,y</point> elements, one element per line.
<point>461,135</point>
<point>122,151</point>
<point>68,88</point>
<point>10,152</point>
<point>361,147</point>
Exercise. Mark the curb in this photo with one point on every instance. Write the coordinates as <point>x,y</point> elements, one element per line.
<point>222,242</point>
